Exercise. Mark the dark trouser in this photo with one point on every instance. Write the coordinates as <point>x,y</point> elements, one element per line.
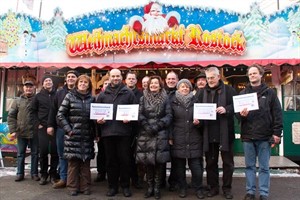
<point>133,168</point>
<point>79,175</point>
<point>212,157</point>
<point>173,179</point>
<point>196,167</point>
<point>101,158</point>
<point>117,153</point>
<point>47,144</point>
<point>22,144</point>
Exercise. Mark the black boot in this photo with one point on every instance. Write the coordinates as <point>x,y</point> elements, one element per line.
<point>157,181</point>
<point>150,182</point>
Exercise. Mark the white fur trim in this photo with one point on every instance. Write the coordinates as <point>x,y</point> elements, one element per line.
<point>173,14</point>
<point>134,19</point>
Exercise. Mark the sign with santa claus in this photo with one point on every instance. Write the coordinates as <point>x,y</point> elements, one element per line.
<point>155,30</point>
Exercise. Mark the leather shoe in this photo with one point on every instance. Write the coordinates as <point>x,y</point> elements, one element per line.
<point>111,192</point>
<point>249,197</point>
<point>73,193</point>
<point>59,184</point>
<point>43,181</point>
<point>35,177</point>
<point>182,193</point>
<point>212,192</point>
<point>149,193</point>
<point>228,195</point>
<point>157,194</point>
<point>87,192</point>
<point>263,197</point>
<point>200,194</point>
<point>19,178</point>
<point>127,192</point>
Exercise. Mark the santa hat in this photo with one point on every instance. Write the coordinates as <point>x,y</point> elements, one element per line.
<point>148,7</point>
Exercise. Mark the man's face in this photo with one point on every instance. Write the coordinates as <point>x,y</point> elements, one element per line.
<point>212,79</point>
<point>28,90</point>
<point>48,84</point>
<point>70,80</point>
<point>145,82</point>
<point>201,82</point>
<point>155,10</point>
<point>254,76</point>
<point>131,81</point>
<point>115,77</point>
<point>171,80</point>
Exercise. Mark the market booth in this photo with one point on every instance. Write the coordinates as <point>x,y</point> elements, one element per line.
<point>183,38</point>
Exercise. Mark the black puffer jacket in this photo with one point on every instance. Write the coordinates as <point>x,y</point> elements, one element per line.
<point>187,139</point>
<point>20,118</point>
<point>152,142</point>
<point>261,124</point>
<point>74,115</point>
<point>114,127</point>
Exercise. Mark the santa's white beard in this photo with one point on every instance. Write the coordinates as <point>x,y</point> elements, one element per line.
<point>155,25</point>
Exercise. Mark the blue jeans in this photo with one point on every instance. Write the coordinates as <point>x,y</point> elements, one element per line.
<point>32,143</point>
<point>63,163</point>
<point>262,150</point>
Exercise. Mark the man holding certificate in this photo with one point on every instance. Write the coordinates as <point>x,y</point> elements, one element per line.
<point>218,134</point>
<point>116,134</point>
<point>260,130</point>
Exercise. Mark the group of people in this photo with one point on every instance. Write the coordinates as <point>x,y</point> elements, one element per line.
<point>166,131</point>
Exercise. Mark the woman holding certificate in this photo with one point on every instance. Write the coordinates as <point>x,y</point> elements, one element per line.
<point>152,143</point>
<point>74,117</point>
<point>186,139</point>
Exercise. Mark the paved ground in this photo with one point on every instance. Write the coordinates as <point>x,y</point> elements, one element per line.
<point>282,188</point>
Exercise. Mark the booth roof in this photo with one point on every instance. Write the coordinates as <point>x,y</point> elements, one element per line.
<point>218,63</point>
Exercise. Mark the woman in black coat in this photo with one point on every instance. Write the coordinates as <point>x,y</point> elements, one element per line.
<point>74,117</point>
<point>186,139</point>
<point>152,143</point>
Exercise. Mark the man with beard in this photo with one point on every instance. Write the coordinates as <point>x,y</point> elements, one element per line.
<point>116,135</point>
<point>154,22</point>
<point>218,135</point>
<point>71,78</point>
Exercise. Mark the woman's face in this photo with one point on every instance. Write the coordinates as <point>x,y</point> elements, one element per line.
<point>83,85</point>
<point>154,85</point>
<point>184,89</point>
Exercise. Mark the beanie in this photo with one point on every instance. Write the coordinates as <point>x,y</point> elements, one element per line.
<point>186,81</point>
<point>45,77</point>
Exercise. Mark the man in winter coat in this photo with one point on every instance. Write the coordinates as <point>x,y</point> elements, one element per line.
<point>116,135</point>
<point>21,125</point>
<point>71,78</point>
<point>260,130</point>
<point>218,135</point>
<point>47,142</point>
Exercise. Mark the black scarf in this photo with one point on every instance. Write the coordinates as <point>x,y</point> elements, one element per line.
<point>220,90</point>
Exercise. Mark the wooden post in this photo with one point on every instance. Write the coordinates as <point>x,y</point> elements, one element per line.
<point>94,81</point>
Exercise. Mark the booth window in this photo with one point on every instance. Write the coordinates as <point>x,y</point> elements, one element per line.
<point>291,91</point>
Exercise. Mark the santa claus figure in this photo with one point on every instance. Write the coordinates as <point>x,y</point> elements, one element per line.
<point>154,21</point>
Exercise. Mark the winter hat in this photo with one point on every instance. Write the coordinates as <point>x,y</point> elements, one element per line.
<point>201,75</point>
<point>29,83</point>
<point>45,77</point>
<point>148,7</point>
<point>73,72</point>
<point>186,81</point>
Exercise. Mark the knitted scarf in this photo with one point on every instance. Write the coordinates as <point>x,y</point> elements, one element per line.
<point>184,99</point>
<point>155,98</point>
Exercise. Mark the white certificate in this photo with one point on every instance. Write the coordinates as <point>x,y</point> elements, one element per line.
<point>248,101</point>
<point>101,110</point>
<point>128,112</point>
<point>205,111</point>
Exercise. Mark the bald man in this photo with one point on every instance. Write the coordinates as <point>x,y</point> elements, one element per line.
<point>116,135</point>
